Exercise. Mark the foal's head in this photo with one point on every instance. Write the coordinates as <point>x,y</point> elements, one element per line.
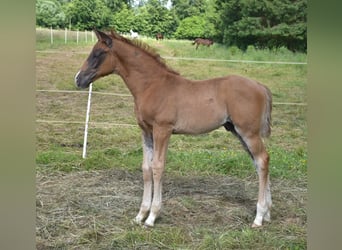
<point>100,62</point>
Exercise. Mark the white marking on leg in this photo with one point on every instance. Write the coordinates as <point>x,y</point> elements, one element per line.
<point>146,202</point>
<point>147,175</point>
<point>261,211</point>
<point>268,200</point>
<point>157,195</point>
<point>264,198</point>
<point>161,136</point>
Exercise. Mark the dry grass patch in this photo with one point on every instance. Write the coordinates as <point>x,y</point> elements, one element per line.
<point>93,210</point>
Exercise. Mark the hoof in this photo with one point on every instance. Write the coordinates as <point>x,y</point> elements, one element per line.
<point>256,225</point>
<point>267,216</point>
<point>136,221</point>
<point>147,226</point>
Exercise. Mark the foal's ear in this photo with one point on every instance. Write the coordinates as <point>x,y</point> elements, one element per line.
<point>102,37</point>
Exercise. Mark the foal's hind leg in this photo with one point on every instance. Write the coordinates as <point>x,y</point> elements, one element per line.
<point>260,157</point>
<point>261,162</point>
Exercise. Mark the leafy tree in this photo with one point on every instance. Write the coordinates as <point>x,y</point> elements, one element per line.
<point>88,14</point>
<point>198,18</point>
<point>263,23</point>
<point>123,20</point>
<point>49,14</point>
<point>118,5</point>
<point>212,18</point>
<point>191,27</point>
<point>154,17</point>
<point>160,18</point>
<point>189,8</point>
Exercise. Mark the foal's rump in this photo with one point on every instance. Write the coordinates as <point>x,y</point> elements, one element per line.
<point>203,106</point>
<point>249,104</point>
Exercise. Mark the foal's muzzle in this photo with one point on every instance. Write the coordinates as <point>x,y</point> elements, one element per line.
<point>83,78</point>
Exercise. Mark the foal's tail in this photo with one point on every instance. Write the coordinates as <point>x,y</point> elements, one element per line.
<point>267,119</point>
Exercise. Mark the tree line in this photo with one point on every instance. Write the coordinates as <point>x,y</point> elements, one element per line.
<point>261,23</point>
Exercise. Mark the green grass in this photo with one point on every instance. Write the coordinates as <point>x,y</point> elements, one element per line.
<point>285,163</point>
<point>212,157</point>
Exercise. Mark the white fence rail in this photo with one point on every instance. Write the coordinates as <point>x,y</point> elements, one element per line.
<point>110,124</point>
<point>68,36</point>
<point>106,124</point>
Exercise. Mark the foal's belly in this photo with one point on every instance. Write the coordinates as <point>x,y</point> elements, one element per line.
<point>196,130</point>
<point>199,121</point>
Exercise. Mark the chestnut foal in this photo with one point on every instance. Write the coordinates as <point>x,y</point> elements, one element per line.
<point>167,103</point>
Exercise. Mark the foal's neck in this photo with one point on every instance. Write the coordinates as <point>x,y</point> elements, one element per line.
<point>137,68</point>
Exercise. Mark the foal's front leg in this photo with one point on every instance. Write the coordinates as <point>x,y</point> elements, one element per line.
<point>147,176</point>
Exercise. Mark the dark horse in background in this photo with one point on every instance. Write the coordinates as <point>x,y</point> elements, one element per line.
<point>159,36</point>
<point>205,42</point>
<point>167,103</point>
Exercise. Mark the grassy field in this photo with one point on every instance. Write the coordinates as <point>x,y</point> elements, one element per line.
<point>210,185</point>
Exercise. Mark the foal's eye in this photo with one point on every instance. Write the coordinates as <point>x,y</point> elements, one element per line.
<point>96,58</point>
<point>98,53</point>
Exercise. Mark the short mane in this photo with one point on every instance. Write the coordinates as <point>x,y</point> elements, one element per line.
<point>146,48</point>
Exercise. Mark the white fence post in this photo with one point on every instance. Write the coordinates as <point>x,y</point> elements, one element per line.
<point>77,34</point>
<point>86,36</point>
<point>65,35</point>
<point>86,123</point>
<point>51,35</point>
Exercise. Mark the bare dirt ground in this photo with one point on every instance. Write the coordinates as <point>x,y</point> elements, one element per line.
<point>88,210</point>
